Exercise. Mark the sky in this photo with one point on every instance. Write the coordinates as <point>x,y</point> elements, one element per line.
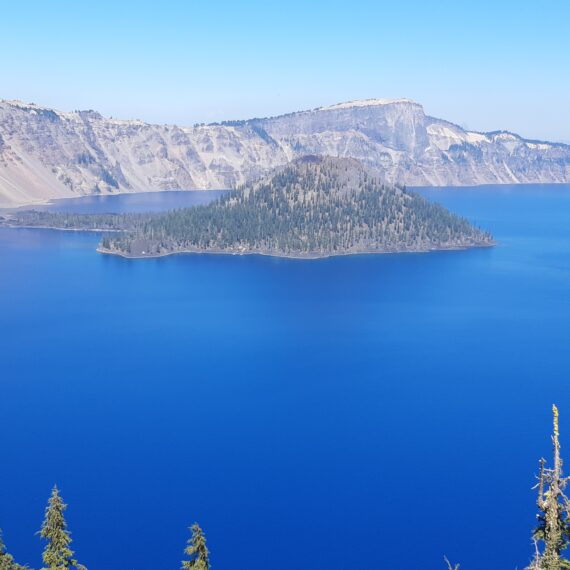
<point>485,65</point>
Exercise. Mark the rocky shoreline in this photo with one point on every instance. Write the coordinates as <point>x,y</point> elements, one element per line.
<point>302,256</point>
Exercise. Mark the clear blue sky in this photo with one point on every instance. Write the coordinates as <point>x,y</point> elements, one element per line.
<point>483,64</point>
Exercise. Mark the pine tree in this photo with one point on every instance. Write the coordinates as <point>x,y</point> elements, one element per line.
<point>553,527</point>
<point>197,550</point>
<point>57,554</point>
<point>7,560</point>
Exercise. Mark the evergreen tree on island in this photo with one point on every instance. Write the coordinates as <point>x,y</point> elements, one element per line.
<point>7,560</point>
<point>196,550</point>
<point>553,528</point>
<point>57,554</point>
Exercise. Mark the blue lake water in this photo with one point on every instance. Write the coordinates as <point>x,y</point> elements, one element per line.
<point>349,413</point>
<point>118,203</point>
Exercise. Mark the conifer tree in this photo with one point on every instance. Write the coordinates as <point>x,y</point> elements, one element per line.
<point>553,527</point>
<point>57,553</point>
<point>7,560</point>
<point>196,550</point>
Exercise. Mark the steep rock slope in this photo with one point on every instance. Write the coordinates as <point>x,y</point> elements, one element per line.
<point>48,154</point>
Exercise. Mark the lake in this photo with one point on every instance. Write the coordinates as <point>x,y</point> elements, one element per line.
<point>347,413</point>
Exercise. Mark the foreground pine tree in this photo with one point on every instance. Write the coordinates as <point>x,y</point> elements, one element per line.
<point>7,560</point>
<point>196,550</point>
<point>57,554</point>
<point>553,528</point>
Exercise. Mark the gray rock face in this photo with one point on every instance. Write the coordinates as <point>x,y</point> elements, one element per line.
<point>48,154</point>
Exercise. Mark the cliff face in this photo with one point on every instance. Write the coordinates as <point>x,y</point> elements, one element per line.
<point>49,154</point>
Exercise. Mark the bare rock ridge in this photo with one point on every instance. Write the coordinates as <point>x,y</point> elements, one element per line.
<point>46,154</point>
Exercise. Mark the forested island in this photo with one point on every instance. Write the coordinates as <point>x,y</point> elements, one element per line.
<point>314,207</point>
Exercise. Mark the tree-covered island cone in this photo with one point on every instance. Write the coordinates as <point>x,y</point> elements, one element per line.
<point>313,207</point>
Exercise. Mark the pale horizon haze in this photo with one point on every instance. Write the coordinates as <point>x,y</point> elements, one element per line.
<point>485,66</point>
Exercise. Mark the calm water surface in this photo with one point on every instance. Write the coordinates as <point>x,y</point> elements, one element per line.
<point>143,202</point>
<point>351,413</point>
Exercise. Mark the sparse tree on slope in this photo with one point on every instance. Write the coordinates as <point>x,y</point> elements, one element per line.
<point>553,520</point>
<point>57,554</point>
<point>7,560</point>
<point>196,550</point>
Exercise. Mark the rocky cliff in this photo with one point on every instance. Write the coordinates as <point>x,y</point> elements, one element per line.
<point>50,154</point>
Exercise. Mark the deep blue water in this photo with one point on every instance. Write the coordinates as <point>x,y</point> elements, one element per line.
<point>144,202</point>
<point>350,413</point>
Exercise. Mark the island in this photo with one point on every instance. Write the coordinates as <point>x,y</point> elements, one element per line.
<point>313,207</point>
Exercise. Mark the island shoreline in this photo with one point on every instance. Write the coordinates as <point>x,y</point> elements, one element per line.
<point>57,229</point>
<point>304,257</point>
